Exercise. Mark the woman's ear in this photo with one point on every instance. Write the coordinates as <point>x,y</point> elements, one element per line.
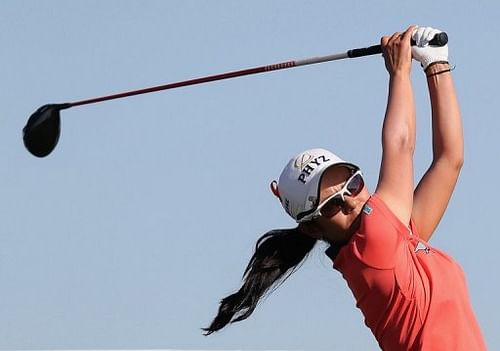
<point>311,229</point>
<point>274,189</point>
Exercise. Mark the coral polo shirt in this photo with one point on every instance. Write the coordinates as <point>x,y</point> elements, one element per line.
<point>413,296</point>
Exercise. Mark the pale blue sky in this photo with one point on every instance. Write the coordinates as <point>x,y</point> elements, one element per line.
<point>146,214</point>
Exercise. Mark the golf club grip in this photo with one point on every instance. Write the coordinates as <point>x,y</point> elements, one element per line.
<point>440,39</point>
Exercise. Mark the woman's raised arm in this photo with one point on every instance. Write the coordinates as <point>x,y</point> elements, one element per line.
<point>395,184</point>
<point>434,190</point>
<point>436,186</point>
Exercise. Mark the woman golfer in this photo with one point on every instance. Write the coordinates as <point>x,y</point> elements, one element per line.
<point>412,295</point>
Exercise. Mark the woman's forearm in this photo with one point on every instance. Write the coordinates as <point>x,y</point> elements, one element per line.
<point>399,123</point>
<point>447,133</point>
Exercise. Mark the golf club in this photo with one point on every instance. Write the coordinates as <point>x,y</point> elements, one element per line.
<point>42,131</point>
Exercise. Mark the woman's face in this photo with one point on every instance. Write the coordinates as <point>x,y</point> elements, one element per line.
<point>345,221</point>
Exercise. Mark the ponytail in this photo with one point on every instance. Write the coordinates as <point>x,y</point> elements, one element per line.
<point>278,254</point>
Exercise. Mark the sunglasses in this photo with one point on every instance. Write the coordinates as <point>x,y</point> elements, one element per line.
<point>334,203</point>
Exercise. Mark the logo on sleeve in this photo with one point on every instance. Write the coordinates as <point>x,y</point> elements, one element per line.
<point>367,209</point>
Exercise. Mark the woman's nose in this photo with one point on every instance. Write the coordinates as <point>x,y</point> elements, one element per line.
<point>349,204</point>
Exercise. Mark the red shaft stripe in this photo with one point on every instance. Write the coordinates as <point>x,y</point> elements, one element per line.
<point>233,74</point>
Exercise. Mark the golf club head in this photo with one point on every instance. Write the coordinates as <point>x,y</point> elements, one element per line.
<point>41,133</point>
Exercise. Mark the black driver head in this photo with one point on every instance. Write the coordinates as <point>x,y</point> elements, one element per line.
<point>41,133</point>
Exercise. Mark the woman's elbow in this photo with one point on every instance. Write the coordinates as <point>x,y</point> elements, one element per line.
<point>454,158</point>
<point>458,162</point>
<point>402,142</point>
<point>453,162</point>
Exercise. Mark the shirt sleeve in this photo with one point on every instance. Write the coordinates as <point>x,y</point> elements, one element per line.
<point>380,235</point>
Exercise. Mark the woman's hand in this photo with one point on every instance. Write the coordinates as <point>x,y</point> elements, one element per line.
<point>425,53</point>
<point>396,50</point>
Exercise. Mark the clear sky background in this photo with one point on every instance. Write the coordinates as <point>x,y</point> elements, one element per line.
<point>145,215</point>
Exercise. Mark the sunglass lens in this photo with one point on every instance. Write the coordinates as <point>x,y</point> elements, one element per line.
<point>356,185</point>
<point>332,206</point>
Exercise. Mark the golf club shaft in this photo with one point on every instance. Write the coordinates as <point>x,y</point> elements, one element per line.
<point>440,39</point>
<point>227,75</point>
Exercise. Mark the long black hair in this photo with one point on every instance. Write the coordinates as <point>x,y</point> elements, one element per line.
<point>278,254</point>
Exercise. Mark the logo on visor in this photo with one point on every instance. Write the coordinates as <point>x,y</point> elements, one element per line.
<point>309,166</point>
<point>302,161</point>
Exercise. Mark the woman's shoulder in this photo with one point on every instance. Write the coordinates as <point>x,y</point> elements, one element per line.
<point>379,236</point>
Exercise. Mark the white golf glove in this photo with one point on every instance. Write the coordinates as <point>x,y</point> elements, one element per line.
<point>425,53</point>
